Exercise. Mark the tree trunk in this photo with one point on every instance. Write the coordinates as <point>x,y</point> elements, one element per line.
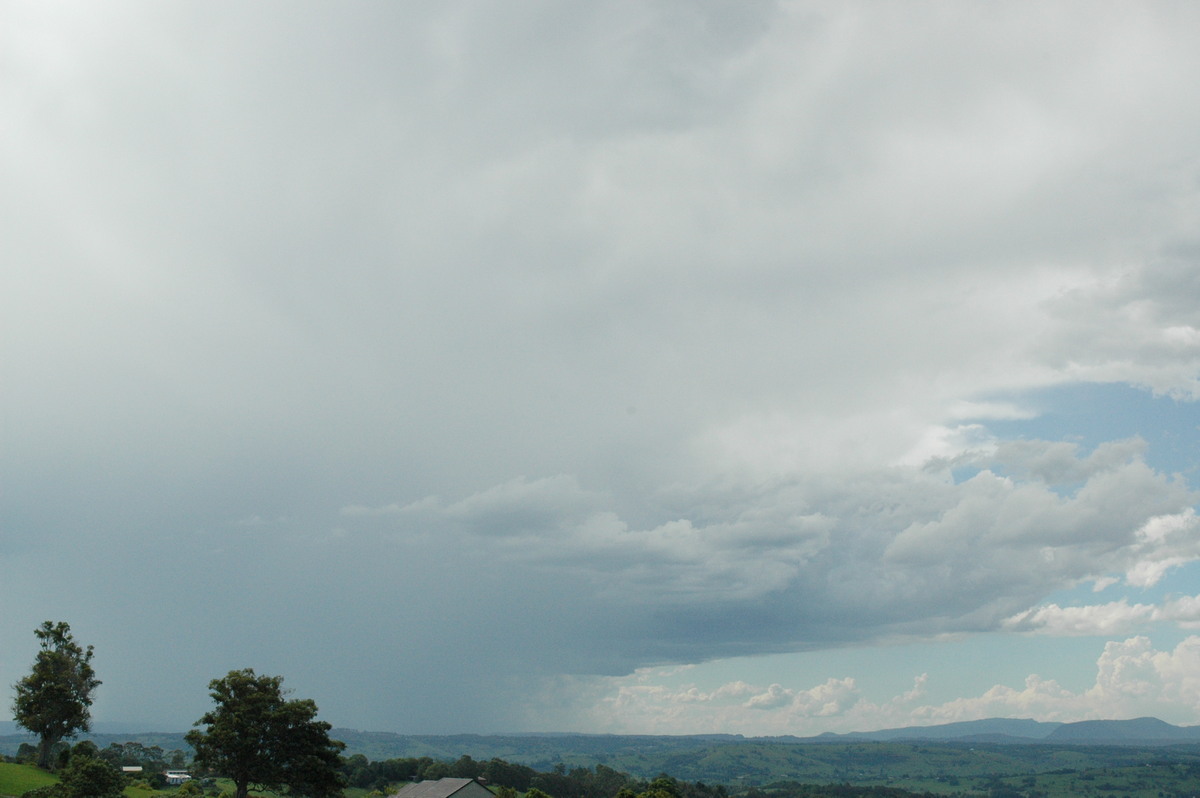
<point>45,746</point>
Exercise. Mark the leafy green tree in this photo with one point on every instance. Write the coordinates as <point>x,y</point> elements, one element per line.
<point>519,777</point>
<point>190,789</point>
<point>88,776</point>
<point>54,700</point>
<point>83,775</point>
<point>27,753</point>
<point>256,736</point>
<point>85,748</point>
<point>466,768</point>
<point>435,770</point>
<point>663,787</point>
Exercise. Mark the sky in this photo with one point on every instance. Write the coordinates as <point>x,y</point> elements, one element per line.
<point>636,367</point>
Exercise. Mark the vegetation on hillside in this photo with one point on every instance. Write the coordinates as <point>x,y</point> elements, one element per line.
<point>887,770</point>
<point>257,737</point>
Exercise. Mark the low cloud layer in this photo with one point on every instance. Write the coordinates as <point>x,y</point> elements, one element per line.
<point>1130,676</point>
<point>1115,617</point>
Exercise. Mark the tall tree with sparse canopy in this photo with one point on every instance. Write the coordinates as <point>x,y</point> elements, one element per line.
<point>256,737</point>
<point>54,700</point>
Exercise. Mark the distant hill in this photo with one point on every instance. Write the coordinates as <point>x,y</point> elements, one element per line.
<point>168,741</point>
<point>540,751</point>
<point>1016,729</point>
<point>633,752</point>
<point>1140,731</point>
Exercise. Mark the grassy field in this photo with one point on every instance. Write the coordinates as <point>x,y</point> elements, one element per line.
<point>16,779</point>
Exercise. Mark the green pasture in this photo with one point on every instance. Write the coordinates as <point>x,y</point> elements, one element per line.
<point>16,779</point>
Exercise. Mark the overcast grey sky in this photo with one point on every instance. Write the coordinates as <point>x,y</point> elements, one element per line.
<point>636,366</point>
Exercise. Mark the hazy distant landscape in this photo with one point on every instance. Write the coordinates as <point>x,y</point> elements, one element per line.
<point>1132,757</point>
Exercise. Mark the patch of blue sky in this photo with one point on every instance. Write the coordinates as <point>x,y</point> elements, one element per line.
<point>964,666</point>
<point>1182,580</point>
<point>1089,414</point>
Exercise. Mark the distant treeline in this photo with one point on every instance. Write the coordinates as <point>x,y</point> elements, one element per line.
<point>580,782</point>
<point>796,790</point>
<point>152,759</point>
<point>507,779</point>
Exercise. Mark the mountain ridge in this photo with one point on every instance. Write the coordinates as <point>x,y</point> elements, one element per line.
<point>549,747</point>
<point>1139,731</point>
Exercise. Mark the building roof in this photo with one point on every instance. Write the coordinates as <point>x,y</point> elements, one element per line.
<point>431,788</point>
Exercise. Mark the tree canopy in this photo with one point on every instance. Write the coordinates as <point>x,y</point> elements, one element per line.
<point>257,737</point>
<point>88,776</point>
<point>54,700</point>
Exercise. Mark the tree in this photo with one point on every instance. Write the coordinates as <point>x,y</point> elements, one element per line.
<point>466,768</point>
<point>255,736</point>
<point>84,775</point>
<point>53,700</point>
<point>87,776</point>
